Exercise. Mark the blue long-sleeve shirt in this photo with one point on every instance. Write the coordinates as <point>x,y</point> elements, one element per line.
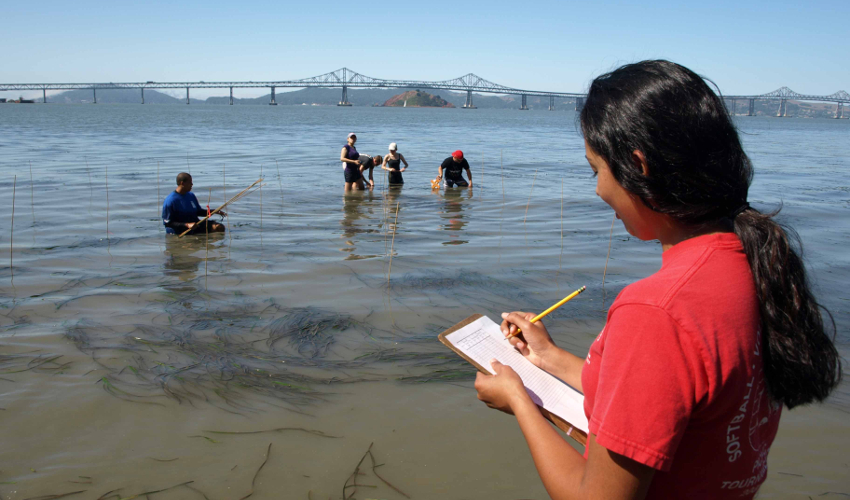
<point>178,209</point>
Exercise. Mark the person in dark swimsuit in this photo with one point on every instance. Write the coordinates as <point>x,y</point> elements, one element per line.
<point>392,162</point>
<point>350,164</point>
<point>454,166</point>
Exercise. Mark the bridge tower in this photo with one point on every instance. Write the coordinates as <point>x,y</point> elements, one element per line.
<point>143,95</point>
<point>839,111</point>
<point>94,93</point>
<point>344,101</point>
<point>551,103</point>
<point>231,96</point>
<point>187,95</point>
<point>783,108</point>
<point>752,109</point>
<point>45,96</point>
<point>469,104</point>
<point>579,103</point>
<point>272,103</point>
<point>524,107</point>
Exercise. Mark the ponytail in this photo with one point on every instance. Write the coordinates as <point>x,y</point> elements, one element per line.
<point>699,175</point>
<point>801,364</point>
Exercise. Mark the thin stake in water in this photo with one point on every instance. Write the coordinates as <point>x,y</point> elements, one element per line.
<point>529,196</point>
<point>32,203</point>
<point>227,216</point>
<point>561,256</point>
<point>261,203</point>
<point>107,202</point>
<point>482,177</point>
<point>390,271</point>
<point>280,185</point>
<point>207,235</point>
<point>502,168</point>
<point>158,206</point>
<point>12,233</point>
<point>91,187</point>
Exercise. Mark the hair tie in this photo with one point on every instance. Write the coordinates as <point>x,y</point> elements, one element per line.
<point>740,209</point>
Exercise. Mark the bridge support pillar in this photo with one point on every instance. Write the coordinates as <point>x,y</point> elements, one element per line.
<point>94,93</point>
<point>44,91</point>
<point>272,103</point>
<point>231,96</point>
<point>783,108</point>
<point>551,103</point>
<point>523,107</point>
<point>143,95</point>
<point>187,95</point>
<point>579,103</point>
<point>734,110</point>
<point>469,104</point>
<point>344,100</point>
<point>839,110</point>
<point>752,108</point>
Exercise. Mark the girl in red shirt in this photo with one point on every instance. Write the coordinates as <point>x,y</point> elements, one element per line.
<point>685,385</point>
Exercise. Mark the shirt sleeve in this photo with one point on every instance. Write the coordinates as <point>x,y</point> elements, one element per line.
<point>646,387</point>
<point>166,212</point>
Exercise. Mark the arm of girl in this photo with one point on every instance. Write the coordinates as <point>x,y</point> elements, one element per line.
<point>565,473</point>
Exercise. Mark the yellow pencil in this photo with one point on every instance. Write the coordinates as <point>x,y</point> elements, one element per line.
<point>547,311</point>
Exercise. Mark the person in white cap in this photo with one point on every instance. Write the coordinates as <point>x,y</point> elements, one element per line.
<point>392,163</point>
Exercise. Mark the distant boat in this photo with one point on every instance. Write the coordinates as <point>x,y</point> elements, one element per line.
<point>405,103</point>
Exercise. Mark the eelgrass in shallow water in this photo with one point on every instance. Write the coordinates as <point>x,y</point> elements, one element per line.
<point>249,354</point>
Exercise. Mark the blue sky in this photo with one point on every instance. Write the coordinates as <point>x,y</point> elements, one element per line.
<point>744,46</point>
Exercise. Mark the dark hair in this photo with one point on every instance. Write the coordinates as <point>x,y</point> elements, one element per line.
<point>699,175</point>
<point>183,177</point>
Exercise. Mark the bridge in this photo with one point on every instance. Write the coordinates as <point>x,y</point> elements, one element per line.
<point>346,78</point>
<point>785,94</point>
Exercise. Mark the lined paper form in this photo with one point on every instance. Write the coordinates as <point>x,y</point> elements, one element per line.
<point>482,341</point>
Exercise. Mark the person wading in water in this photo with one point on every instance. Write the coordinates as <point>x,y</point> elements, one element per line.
<point>392,163</point>
<point>181,210</point>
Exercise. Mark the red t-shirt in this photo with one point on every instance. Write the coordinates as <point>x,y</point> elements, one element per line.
<point>674,380</point>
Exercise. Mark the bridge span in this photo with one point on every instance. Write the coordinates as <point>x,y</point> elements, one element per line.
<point>345,78</point>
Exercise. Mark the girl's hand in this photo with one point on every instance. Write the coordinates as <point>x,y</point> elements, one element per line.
<point>534,342</point>
<point>503,390</point>
<point>403,169</point>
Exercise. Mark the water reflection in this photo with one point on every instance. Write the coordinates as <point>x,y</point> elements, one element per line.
<point>359,210</point>
<point>184,256</point>
<point>451,212</point>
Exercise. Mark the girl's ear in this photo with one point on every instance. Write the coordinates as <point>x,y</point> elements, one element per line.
<point>639,161</point>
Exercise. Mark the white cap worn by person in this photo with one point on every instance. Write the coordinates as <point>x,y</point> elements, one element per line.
<point>393,146</point>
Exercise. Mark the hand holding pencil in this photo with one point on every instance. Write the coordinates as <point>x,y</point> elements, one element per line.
<point>547,311</point>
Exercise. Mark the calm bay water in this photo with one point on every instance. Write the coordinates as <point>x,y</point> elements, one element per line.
<point>120,349</point>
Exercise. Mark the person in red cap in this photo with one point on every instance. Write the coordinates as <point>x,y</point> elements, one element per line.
<point>454,166</point>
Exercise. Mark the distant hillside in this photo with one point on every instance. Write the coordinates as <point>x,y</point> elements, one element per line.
<point>418,99</point>
<point>116,96</point>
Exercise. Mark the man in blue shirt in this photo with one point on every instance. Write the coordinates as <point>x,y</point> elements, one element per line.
<point>181,210</point>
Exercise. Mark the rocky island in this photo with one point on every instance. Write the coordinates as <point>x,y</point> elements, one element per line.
<point>418,99</point>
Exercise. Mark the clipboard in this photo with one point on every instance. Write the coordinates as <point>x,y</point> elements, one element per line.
<point>577,434</point>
